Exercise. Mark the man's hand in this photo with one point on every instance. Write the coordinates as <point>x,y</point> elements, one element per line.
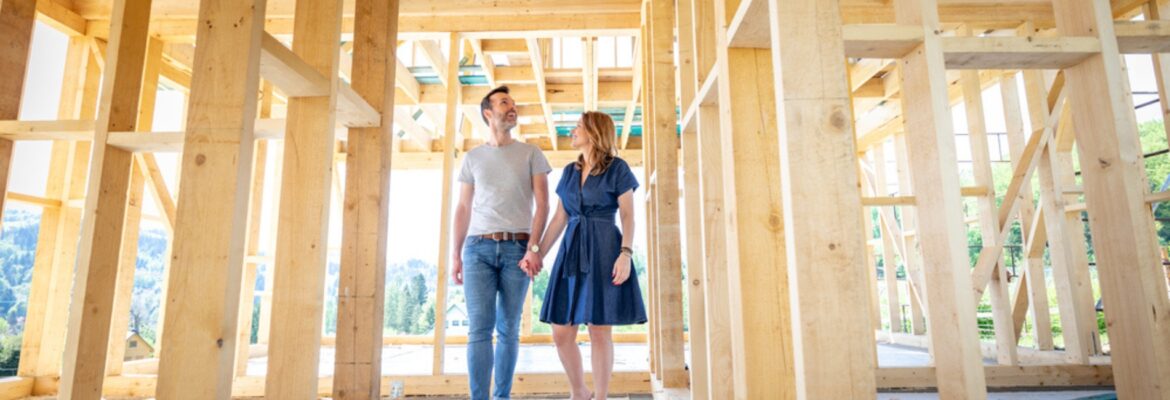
<point>531,264</point>
<point>457,268</point>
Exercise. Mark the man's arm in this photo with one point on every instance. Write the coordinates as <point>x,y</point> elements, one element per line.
<point>462,220</point>
<point>540,193</point>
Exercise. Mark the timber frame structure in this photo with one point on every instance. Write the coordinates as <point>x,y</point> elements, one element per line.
<point>760,149</point>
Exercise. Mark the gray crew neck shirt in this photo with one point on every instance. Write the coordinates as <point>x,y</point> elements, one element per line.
<point>502,177</point>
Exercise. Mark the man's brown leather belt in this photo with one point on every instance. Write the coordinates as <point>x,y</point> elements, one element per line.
<point>498,236</point>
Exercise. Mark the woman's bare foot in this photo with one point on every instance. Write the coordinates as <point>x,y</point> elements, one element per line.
<point>583,395</point>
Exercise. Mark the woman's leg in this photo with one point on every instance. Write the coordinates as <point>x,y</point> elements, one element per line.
<point>601,339</point>
<point>565,337</point>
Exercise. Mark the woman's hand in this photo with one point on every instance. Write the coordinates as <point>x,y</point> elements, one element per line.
<point>621,269</point>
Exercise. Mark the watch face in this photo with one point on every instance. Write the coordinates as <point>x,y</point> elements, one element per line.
<point>534,248</point>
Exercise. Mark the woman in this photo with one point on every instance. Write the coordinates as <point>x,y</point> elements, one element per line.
<point>593,280</point>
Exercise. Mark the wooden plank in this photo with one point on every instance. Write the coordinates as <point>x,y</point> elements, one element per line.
<point>636,90</point>
<point>538,64</point>
<point>445,211</point>
<point>99,251</point>
<point>298,78</point>
<point>1151,36</point>
<point>211,219</point>
<point>1003,377</point>
<point>1010,52</point>
<point>16,26</point>
<point>365,219</point>
<point>989,224</point>
<point>15,388</point>
<point>931,151</point>
<point>1154,12</point>
<point>715,279</point>
<point>699,365</point>
<point>1130,271</point>
<point>831,308</point>
<point>1036,293</point>
<point>61,17</point>
<point>890,267</point>
<point>252,247</point>
<point>666,140</point>
<point>301,248</point>
<point>880,41</point>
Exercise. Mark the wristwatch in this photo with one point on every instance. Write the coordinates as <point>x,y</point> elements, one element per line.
<point>535,248</point>
<point>627,251</point>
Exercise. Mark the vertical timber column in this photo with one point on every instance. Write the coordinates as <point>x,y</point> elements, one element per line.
<point>666,144</point>
<point>1133,287</point>
<point>452,113</point>
<point>365,222</point>
<point>99,250</point>
<point>203,289</point>
<point>912,258</point>
<point>252,247</point>
<point>941,237</point>
<point>757,272</point>
<point>303,231</point>
<point>893,297</point>
<point>1001,305</point>
<point>128,260</point>
<point>832,333</point>
<point>52,218</point>
<point>651,193</point>
<point>16,28</point>
<point>688,83</point>
<point>1036,286</point>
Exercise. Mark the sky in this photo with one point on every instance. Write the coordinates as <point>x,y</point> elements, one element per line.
<point>415,195</point>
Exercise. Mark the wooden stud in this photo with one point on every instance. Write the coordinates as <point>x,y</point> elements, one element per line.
<point>666,141</point>
<point>99,251</point>
<point>366,218</point>
<point>989,224</point>
<point>16,27</point>
<point>301,247</point>
<point>248,287</point>
<point>831,307</point>
<point>1155,12</point>
<point>211,219</point>
<point>1132,281</point>
<point>453,93</point>
<point>893,297</point>
<point>538,65</point>
<point>931,148</point>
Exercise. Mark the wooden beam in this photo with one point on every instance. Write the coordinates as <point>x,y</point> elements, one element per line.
<point>715,279</point>
<point>636,91</point>
<point>831,308</point>
<point>1121,223</point>
<point>1154,12</point>
<point>16,26</point>
<point>301,249</point>
<point>931,146</point>
<point>699,365</point>
<point>210,220</point>
<point>61,17</point>
<point>297,78</point>
<point>537,56</point>
<point>448,159</point>
<point>665,137</point>
<point>99,251</point>
<point>366,211</point>
<point>890,267</point>
<point>989,224</point>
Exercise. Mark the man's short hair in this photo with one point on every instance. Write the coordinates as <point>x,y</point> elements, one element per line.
<point>486,103</point>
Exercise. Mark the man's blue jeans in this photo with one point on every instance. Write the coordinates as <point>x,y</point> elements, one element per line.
<point>495,288</point>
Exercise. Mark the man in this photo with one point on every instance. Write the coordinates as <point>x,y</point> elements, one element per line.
<point>494,230</point>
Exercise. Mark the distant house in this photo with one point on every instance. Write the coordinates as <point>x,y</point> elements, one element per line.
<point>456,319</point>
<point>137,348</point>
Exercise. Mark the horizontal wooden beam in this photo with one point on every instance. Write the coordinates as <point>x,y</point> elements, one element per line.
<point>428,27</point>
<point>32,200</point>
<point>60,17</point>
<point>414,385</point>
<point>15,388</point>
<point>1004,376</point>
<point>296,78</point>
<point>47,130</point>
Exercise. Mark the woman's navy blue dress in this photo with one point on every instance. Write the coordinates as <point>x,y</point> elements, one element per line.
<point>581,289</point>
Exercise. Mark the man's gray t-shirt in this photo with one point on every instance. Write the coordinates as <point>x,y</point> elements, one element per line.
<point>503,186</point>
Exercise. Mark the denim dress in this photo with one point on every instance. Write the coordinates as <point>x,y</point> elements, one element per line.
<point>581,289</point>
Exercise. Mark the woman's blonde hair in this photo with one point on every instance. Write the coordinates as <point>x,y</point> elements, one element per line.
<point>599,128</point>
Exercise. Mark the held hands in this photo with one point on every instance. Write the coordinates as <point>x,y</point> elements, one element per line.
<point>531,264</point>
<point>621,269</point>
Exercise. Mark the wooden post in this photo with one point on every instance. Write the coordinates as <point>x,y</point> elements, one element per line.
<point>453,100</point>
<point>211,218</point>
<point>248,287</point>
<point>832,335</point>
<point>761,330</point>
<point>913,257</point>
<point>1037,288</point>
<point>716,295</point>
<point>42,298</point>
<point>931,145</point>
<point>890,267</point>
<point>664,133</point>
<point>16,27</point>
<point>129,258</point>
<point>1129,266</point>
<point>989,227</point>
<point>99,250</point>
<point>366,218</point>
<point>302,246</point>
<point>1156,12</point>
